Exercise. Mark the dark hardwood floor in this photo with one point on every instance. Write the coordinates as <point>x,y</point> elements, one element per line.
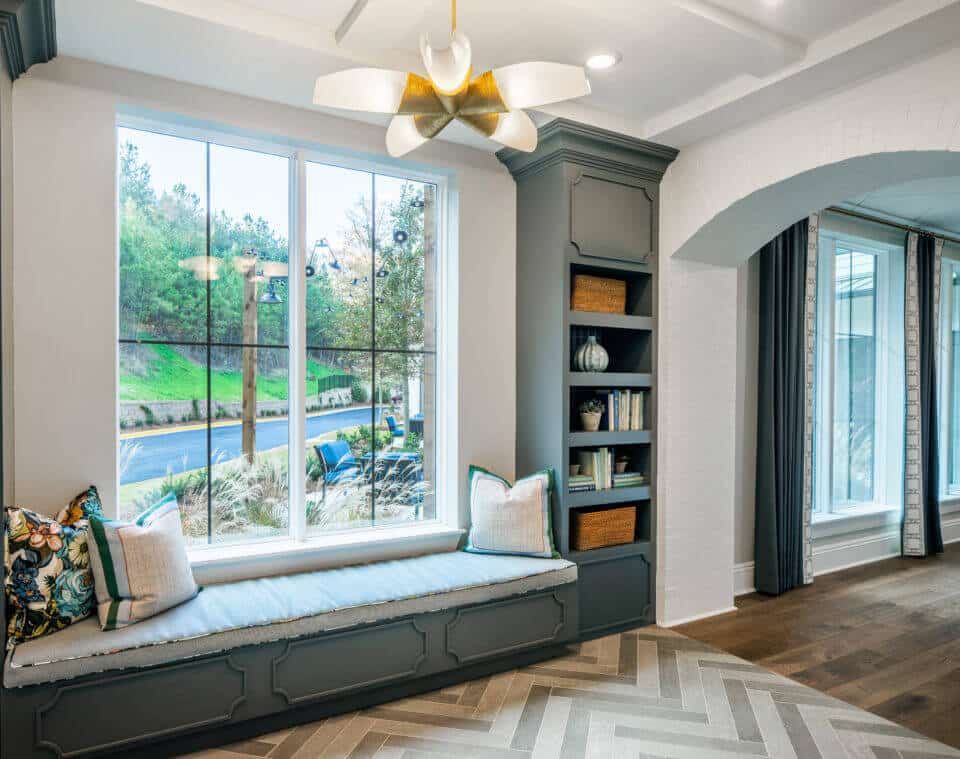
<point>884,636</point>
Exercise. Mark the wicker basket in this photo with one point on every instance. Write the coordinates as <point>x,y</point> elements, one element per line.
<point>602,527</point>
<point>608,296</point>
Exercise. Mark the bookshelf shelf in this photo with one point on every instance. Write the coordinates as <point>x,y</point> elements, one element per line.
<point>587,205</point>
<point>639,548</point>
<point>614,321</point>
<point>610,379</point>
<point>604,497</point>
<point>632,437</point>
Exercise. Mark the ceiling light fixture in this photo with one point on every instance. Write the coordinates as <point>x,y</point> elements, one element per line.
<point>491,103</point>
<point>603,61</point>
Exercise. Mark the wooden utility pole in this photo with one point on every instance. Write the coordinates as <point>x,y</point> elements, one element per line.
<point>249,358</point>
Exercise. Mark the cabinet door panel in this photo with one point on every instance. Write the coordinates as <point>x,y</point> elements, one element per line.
<point>613,593</point>
<point>611,219</point>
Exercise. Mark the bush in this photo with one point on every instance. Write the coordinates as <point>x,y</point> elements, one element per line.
<point>413,442</point>
<point>360,440</point>
<point>124,424</point>
<point>170,419</point>
<point>195,410</point>
<point>148,414</point>
<point>358,391</point>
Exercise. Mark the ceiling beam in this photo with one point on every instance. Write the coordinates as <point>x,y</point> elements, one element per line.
<point>349,20</point>
<point>789,48</point>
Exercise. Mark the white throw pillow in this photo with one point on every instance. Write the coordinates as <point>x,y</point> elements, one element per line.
<point>140,569</point>
<point>511,519</point>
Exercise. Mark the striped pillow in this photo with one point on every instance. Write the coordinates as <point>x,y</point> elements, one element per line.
<point>140,569</point>
<point>509,519</point>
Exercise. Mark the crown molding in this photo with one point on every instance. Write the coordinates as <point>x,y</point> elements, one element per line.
<point>28,34</point>
<point>563,140</point>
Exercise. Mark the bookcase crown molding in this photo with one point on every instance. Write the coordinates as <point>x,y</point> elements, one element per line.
<point>563,140</point>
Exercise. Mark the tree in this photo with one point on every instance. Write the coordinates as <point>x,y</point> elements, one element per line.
<point>398,287</point>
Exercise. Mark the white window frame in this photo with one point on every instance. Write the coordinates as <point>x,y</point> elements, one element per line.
<point>215,563</point>
<point>949,491</point>
<point>887,436</point>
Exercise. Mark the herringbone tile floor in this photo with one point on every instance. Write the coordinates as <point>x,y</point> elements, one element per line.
<point>645,694</point>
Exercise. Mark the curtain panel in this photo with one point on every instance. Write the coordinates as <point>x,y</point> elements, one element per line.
<point>921,533</point>
<point>784,494</point>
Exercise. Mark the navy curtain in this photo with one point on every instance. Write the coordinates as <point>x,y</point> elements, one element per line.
<point>779,535</point>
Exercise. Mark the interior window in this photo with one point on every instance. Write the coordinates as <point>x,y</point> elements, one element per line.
<point>858,394</point>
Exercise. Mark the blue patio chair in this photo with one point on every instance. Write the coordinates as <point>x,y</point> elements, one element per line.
<point>339,464</point>
<point>395,429</point>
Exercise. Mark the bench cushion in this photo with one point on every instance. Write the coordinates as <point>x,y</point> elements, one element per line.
<point>275,608</point>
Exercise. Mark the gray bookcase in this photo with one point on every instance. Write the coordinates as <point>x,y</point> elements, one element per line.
<point>588,202</point>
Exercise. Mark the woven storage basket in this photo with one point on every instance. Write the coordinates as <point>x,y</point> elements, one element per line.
<point>590,293</point>
<point>604,527</point>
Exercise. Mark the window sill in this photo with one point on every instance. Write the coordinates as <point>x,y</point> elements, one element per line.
<point>855,519</point>
<point>950,503</point>
<point>230,563</point>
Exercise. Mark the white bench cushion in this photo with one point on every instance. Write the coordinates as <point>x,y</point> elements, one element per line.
<point>275,608</point>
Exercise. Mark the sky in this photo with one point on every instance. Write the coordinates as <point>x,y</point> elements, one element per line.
<point>244,181</point>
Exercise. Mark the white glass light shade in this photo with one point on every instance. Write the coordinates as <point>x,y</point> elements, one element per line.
<point>449,67</point>
<point>402,136</point>
<point>528,85</point>
<point>203,267</point>
<point>516,129</point>
<point>364,89</point>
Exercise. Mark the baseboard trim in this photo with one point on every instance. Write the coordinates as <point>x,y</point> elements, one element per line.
<point>743,579</point>
<point>838,556</point>
<point>696,617</point>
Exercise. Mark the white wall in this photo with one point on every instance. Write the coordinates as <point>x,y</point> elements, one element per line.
<point>6,276</point>
<point>64,288</point>
<point>721,200</point>
<point>697,366</point>
<point>716,205</point>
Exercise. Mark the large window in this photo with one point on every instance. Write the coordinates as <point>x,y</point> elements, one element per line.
<point>950,373</point>
<point>278,339</point>
<point>859,369</point>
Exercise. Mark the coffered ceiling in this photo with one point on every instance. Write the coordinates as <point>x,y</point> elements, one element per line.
<point>690,68</point>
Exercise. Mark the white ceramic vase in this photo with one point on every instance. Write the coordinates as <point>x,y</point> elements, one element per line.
<point>591,357</point>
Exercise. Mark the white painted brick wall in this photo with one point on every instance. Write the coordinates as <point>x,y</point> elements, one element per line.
<point>747,185</point>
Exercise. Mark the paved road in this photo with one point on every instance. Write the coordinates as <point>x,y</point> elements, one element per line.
<point>183,450</point>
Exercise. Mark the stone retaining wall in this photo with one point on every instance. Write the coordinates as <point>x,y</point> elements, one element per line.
<point>166,412</point>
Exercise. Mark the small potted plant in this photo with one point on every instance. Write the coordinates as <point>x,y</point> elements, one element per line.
<point>590,413</point>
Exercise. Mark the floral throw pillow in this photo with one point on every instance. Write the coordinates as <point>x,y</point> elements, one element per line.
<point>49,583</point>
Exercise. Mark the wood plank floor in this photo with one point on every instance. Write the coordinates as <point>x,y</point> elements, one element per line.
<point>884,637</point>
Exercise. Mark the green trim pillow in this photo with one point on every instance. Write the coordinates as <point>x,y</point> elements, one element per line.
<point>140,569</point>
<point>511,519</point>
<point>48,582</point>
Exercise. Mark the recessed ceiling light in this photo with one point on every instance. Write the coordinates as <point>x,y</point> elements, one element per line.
<point>603,61</point>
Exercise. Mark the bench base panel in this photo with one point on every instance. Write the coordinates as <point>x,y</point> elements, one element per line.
<point>186,705</point>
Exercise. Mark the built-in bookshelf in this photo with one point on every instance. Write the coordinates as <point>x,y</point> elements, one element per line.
<point>587,204</point>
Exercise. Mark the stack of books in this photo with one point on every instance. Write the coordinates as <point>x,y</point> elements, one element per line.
<point>598,466</point>
<point>629,480</point>
<point>625,410</point>
<point>581,483</point>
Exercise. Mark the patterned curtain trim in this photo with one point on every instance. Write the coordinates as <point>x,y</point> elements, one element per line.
<point>810,341</point>
<point>914,529</point>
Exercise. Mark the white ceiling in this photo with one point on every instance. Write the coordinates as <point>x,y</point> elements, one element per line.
<point>929,203</point>
<point>687,64</point>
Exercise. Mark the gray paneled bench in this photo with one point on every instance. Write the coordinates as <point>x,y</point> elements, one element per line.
<point>253,656</point>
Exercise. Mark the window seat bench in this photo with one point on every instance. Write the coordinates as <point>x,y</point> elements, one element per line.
<point>332,640</point>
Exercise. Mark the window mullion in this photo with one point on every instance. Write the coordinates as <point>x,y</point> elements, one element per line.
<point>297,360</point>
